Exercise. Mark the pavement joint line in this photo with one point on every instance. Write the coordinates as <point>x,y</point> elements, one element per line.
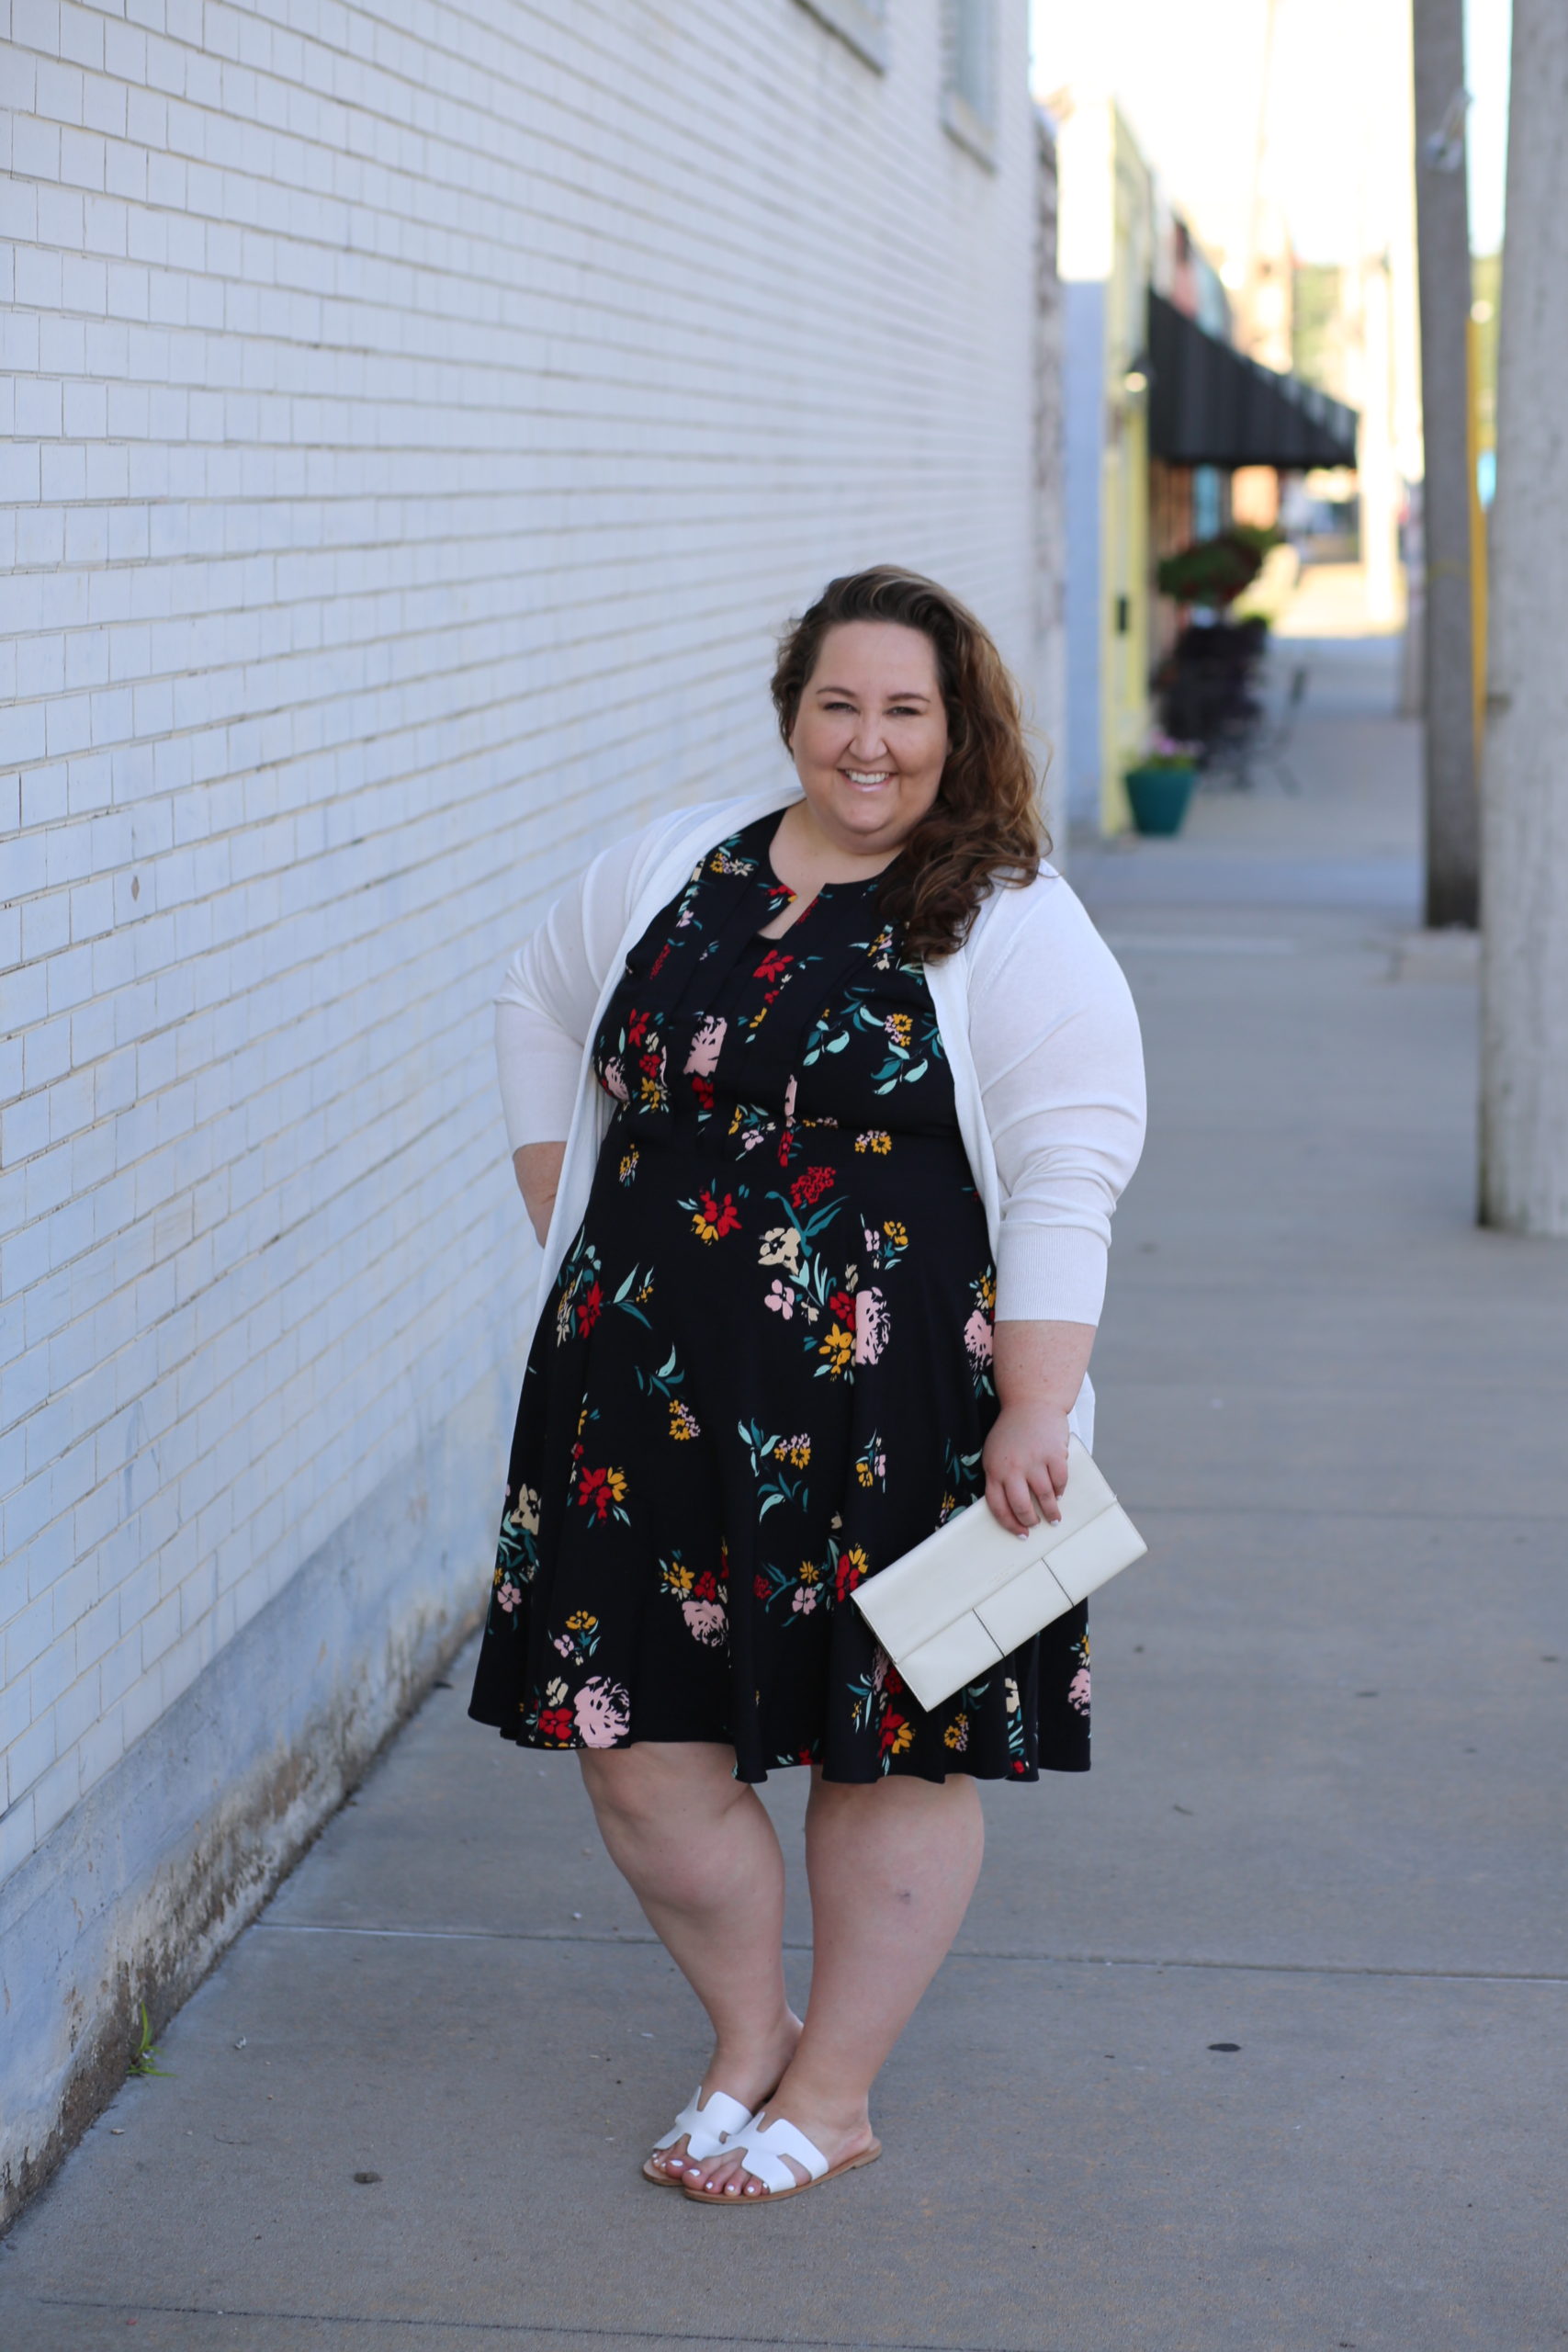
<point>518,2327</point>
<point>1329,1510</point>
<point>959,1952</point>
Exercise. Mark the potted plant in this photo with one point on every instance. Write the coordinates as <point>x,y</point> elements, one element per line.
<point>1159,784</point>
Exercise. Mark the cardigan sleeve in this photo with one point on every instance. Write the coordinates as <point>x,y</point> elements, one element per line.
<point>551,991</point>
<point>1060,1065</point>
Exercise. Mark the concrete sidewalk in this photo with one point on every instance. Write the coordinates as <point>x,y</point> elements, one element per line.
<point>1255,2037</point>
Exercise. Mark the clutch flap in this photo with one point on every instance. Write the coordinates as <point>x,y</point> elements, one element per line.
<point>1096,1552</point>
<point>918,1595</point>
<point>961,1653</point>
<point>1022,1606</point>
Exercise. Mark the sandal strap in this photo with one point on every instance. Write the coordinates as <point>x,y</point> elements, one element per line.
<point>763,2151</point>
<point>706,2127</point>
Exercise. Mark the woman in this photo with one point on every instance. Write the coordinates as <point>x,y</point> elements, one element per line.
<point>820,1101</point>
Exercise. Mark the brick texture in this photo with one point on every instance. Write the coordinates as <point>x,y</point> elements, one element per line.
<point>418,418</point>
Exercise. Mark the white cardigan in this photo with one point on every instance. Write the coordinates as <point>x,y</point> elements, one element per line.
<point>1036,1021</point>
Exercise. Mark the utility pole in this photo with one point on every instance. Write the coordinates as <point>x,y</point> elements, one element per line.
<point>1524,1148</point>
<point>1443,227</point>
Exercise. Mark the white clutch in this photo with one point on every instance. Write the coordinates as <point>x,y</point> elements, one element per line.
<point>954,1607</point>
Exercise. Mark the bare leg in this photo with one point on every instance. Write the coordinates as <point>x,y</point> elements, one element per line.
<point>892,1867</point>
<point>702,1859</point>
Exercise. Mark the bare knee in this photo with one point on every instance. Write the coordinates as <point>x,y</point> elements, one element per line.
<point>653,1785</point>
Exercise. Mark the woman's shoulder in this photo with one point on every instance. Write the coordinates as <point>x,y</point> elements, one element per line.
<point>1046,906</point>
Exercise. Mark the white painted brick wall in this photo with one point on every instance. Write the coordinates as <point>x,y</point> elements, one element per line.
<point>418,417</point>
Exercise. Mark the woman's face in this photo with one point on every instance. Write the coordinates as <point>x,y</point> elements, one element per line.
<point>870,738</point>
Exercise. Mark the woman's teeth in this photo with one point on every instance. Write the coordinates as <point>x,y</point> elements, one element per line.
<point>857,775</point>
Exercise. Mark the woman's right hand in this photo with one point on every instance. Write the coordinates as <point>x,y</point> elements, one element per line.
<point>536,1166</point>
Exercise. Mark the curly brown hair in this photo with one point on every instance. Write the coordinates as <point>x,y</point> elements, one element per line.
<point>985,826</point>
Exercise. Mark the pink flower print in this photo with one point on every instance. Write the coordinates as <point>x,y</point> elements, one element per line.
<point>1077,1691</point>
<point>977,1337</point>
<point>780,1300</point>
<point>509,1595</point>
<point>871,1321</point>
<point>706,1620</point>
<point>603,1710</point>
<point>615,1080</point>
<point>804,1599</point>
<point>706,1045</point>
<point>789,1100</point>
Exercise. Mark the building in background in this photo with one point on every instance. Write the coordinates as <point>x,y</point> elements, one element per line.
<point>421,431</point>
<point>1166,424</point>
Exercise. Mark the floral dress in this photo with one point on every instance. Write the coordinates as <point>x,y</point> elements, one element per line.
<point>764,1370</point>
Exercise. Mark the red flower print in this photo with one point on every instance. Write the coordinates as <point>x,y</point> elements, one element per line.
<point>850,1571</point>
<point>760,1586</point>
<point>707,1586</point>
<point>601,1490</point>
<point>703,1089</point>
<point>773,966</point>
<point>842,1305</point>
<point>809,1186</point>
<point>894,1685</point>
<point>658,959</point>
<point>891,1725</point>
<point>589,1309</point>
<point>713,1218</point>
<point>636,1028</point>
<point>555,1723</point>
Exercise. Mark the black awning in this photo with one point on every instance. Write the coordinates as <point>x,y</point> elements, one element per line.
<point>1211,405</point>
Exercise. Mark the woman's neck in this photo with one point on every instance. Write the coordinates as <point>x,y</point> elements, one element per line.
<point>804,856</point>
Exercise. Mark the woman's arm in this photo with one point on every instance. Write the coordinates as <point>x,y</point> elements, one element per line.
<point>1039,1370</point>
<point>537,1167</point>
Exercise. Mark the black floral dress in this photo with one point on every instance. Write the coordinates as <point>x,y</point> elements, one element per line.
<point>764,1370</point>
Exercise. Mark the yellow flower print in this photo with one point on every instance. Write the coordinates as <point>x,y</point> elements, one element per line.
<point>796,1450</point>
<point>652,1091</point>
<point>677,1578</point>
<point>899,1026</point>
<point>874,1140</point>
<point>902,1739</point>
<point>838,1346</point>
<point>628,1166</point>
<point>809,1573</point>
<point>683,1420</point>
<point>579,1622</point>
<point>862,1472</point>
<point>897,1233</point>
<point>989,1292</point>
<point>956,1736</point>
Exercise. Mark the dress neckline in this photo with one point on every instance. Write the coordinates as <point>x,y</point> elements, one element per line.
<point>772,877</point>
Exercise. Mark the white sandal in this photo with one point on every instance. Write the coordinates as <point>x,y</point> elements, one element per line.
<point>762,2150</point>
<point>707,2129</point>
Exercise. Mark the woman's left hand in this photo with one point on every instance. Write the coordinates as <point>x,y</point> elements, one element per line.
<point>1039,1370</point>
<point>1025,1463</point>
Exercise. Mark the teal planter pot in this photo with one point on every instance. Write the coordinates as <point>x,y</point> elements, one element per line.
<point>1159,798</point>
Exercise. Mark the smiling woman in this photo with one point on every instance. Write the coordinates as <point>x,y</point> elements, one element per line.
<point>948,728</point>
<point>849,1085</point>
